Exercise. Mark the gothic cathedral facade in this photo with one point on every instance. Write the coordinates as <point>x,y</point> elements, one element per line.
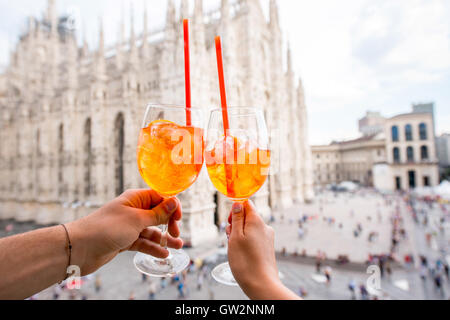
<point>70,116</point>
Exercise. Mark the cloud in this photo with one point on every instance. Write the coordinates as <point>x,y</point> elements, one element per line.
<point>352,55</point>
<point>356,55</point>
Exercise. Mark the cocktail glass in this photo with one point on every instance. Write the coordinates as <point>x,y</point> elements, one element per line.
<point>238,162</point>
<point>170,158</point>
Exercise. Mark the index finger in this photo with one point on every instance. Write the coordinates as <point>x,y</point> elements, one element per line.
<point>251,214</point>
<point>143,198</point>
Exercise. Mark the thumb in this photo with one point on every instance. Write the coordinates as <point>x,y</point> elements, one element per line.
<point>160,214</point>
<point>238,219</point>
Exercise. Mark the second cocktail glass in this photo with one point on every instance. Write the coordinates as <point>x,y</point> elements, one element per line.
<point>238,163</point>
<point>170,159</point>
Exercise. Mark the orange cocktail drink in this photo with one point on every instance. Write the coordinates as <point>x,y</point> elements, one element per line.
<point>170,156</point>
<point>241,170</point>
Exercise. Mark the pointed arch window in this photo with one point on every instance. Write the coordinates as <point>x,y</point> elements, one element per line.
<point>60,159</point>
<point>87,157</point>
<point>119,143</point>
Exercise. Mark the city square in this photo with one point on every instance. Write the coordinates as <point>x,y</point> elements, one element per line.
<point>120,280</point>
<point>121,116</point>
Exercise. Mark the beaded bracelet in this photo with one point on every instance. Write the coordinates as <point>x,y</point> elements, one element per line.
<point>70,252</point>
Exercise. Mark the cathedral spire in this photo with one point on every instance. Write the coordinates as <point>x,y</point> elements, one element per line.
<point>121,40</point>
<point>198,11</point>
<point>31,26</point>
<point>38,29</point>
<point>133,49</point>
<point>145,21</point>
<point>274,14</point>
<point>101,41</point>
<point>300,94</point>
<point>198,28</point>
<point>122,25</point>
<point>100,60</point>
<point>144,48</point>
<point>184,9</point>
<point>132,34</point>
<point>225,10</point>
<point>224,28</point>
<point>170,15</point>
<point>85,48</point>
<point>289,60</point>
<point>52,17</point>
<point>72,63</point>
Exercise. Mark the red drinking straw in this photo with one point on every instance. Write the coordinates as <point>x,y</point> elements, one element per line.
<point>187,72</point>
<point>226,123</point>
<point>223,95</point>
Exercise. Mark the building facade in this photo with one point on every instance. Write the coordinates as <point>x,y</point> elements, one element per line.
<point>348,161</point>
<point>443,150</point>
<point>411,153</point>
<point>70,116</point>
<point>400,156</point>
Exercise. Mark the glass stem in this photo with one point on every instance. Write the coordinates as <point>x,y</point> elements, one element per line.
<point>164,236</point>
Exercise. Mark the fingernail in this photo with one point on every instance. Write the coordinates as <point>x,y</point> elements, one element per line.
<point>171,206</point>
<point>237,208</point>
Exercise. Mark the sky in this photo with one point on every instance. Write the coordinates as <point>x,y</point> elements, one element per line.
<point>352,55</point>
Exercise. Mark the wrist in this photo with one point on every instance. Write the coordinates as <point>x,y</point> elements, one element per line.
<point>262,287</point>
<point>268,287</point>
<point>79,239</point>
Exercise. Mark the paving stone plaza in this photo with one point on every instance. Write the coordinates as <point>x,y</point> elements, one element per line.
<point>119,280</point>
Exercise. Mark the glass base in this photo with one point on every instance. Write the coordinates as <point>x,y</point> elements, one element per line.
<point>177,261</point>
<point>222,274</point>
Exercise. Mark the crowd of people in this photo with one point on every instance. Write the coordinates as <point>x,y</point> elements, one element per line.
<point>431,216</point>
<point>193,278</point>
<point>433,270</point>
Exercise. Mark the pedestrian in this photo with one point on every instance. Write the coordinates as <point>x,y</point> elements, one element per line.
<point>381,263</point>
<point>423,272</point>
<point>72,295</point>
<point>272,218</point>
<point>328,272</point>
<point>388,268</point>
<point>302,292</point>
<point>180,290</point>
<point>300,232</point>
<point>424,261</point>
<point>152,291</point>
<point>200,281</point>
<point>163,283</point>
<point>98,283</point>
<point>364,292</point>
<point>56,291</point>
<point>9,228</point>
<point>438,283</point>
<point>318,261</point>
<point>223,226</point>
<point>447,271</point>
<point>352,288</point>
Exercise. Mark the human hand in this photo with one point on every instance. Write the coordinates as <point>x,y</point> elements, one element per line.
<point>123,225</point>
<point>251,255</point>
